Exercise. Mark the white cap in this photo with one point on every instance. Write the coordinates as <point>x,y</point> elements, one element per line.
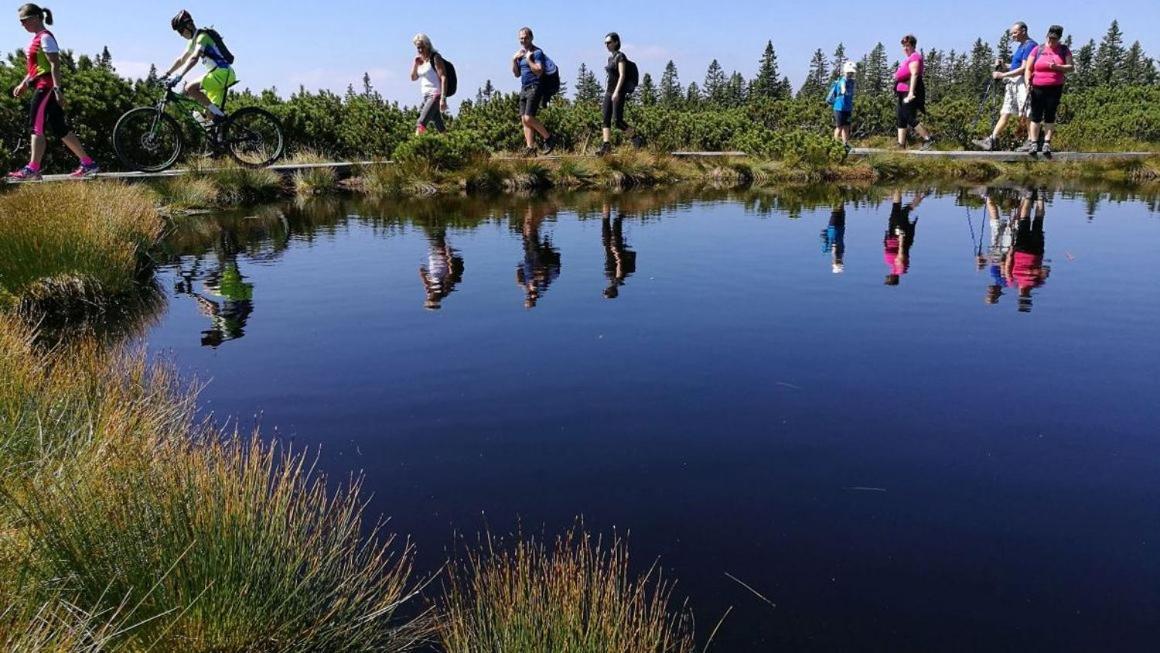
<point>849,67</point>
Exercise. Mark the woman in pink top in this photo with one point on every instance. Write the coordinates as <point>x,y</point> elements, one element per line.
<point>910,87</point>
<point>1050,63</point>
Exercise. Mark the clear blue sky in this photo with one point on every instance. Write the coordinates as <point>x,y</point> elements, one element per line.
<point>330,43</point>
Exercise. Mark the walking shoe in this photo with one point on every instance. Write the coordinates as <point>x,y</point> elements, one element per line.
<point>1045,149</point>
<point>605,149</point>
<point>24,174</point>
<point>85,171</point>
<point>549,145</point>
<point>637,141</point>
<point>1030,147</point>
<point>927,145</point>
<point>985,144</point>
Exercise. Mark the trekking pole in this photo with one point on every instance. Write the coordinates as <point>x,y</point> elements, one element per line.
<point>987,94</point>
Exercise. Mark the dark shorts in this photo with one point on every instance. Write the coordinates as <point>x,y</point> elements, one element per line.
<point>45,113</point>
<point>614,112</point>
<point>1045,103</point>
<point>908,112</point>
<point>530,100</point>
<point>842,118</point>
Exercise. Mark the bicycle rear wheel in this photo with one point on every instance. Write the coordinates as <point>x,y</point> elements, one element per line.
<point>254,137</point>
<point>147,140</point>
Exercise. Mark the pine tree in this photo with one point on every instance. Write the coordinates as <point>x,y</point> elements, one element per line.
<point>485,93</point>
<point>979,68</point>
<point>873,72</point>
<point>105,60</point>
<point>368,87</point>
<point>839,59</point>
<point>587,88</point>
<point>817,78</point>
<point>648,91</point>
<point>1084,76</point>
<point>693,96</point>
<point>935,71</point>
<point>715,83</point>
<point>767,84</point>
<point>735,90</point>
<point>1137,68</point>
<point>670,90</point>
<point>1109,56</point>
<point>1004,51</point>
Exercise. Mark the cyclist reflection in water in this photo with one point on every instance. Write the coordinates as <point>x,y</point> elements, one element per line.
<point>619,260</point>
<point>1024,266</point>
<point>834,238</point>
<point>541,264</point>
<point>444,270</point>
<point>234,305</point>
<point>899,237</point>
<point>1000,241</point>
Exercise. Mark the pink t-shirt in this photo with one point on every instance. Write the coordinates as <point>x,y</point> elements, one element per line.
<point>890,256</point>
<point>1025,271</point>
<point>1044,75</point>
<point>902,76</point>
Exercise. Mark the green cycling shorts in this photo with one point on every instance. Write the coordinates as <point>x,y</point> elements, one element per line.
<point>216,82</point>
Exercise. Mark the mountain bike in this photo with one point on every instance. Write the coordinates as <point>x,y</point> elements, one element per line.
<point>150,139</point>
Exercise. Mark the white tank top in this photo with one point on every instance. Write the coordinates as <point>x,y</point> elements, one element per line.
<point>429,82</point>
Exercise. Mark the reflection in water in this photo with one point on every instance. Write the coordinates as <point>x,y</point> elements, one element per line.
<point>444,269</point>
<point>834,238</point>
<point>1001,206</point>
<point>1024,267</point>
<point>899,237</point>
<point>541,264</point>
<point>619,260</point>
<point>224,281</point>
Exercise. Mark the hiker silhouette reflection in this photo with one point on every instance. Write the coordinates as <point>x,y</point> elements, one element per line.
<point>234,302</point>
<point>899,237</point>
<point>444,270</point>
<point>1024,268</point>
<point>541,264</point>
<point>999,205</point>
<point>834,238</point>
<point>619,260</point>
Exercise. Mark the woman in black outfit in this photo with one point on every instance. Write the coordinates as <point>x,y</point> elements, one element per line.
<point>616,94</point>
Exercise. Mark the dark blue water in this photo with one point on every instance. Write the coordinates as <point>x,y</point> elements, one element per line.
<point>910,454</point>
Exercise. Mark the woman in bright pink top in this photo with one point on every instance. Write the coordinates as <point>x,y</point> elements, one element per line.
<point>910,88</point>
<point>1050,63</point>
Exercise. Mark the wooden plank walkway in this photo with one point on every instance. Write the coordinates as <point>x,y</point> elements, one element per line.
<point>1003,157</point>
<point>284,168</point>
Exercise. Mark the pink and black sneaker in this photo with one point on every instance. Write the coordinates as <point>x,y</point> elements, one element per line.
<point>27,173</point>
<point>86,171</point>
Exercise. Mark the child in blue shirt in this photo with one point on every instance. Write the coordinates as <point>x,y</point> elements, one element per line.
<point>841,97</point>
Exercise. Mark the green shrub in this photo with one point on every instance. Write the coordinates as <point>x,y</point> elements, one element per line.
<point>452,150</point>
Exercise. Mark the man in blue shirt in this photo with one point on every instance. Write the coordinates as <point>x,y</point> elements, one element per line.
<point>529,63</point>
<point>1015,93</point>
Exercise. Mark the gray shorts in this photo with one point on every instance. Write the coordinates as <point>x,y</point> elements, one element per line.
<point>1014,97</point>
<point>530,100</point>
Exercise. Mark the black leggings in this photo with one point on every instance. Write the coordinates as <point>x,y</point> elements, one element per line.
<point>1045,103</point>
<point>908,111</point>
<point>614,112</point>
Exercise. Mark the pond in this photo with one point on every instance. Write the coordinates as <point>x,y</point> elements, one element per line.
<point>912,420</point>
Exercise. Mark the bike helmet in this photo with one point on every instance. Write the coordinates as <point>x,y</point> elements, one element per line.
<point>182,20</point>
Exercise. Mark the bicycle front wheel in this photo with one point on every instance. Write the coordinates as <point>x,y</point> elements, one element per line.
<point>254,137</point>
<point>147,140</point>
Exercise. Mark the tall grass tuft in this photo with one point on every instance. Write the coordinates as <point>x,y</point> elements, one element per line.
<point>578,596</point>
<point>76,244</point>
<point>313,181</point>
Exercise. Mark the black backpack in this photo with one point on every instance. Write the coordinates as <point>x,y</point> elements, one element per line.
<point>549,82</point>
<point>217,41</point>
<point>452,84</point>
<point>631,77</point>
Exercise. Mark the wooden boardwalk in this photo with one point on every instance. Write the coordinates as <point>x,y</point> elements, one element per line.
<point>1002,157</point>
<point>283,168</point>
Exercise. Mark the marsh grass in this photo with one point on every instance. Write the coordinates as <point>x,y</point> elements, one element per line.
<point>114,496</point>
<point>313,181</point>
<point>73,246</point>
<point>578,595</point>
<point>218,183</point>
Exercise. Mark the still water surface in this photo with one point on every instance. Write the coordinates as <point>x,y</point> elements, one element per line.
<point>912,422</point>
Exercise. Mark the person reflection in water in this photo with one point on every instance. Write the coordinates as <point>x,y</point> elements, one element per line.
<point>1000,242</point>
<point>619,260</point>
<point>444,270</point>
<point>234,301</point>
<point>899,237</point>
<point>834,238</point>
<point>1024,267</point>
<point>541,264</point>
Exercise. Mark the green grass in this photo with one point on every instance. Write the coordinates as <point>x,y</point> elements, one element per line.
<point>576,596</point>
<point>213,183</point>
<point>313,181</point>
<point>73,247</point>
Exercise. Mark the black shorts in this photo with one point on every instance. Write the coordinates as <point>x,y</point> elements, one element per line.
<point>842,118</point>
<point>45,113</point>
<point>908,111</point>
<point>1045,103</point>
<point>530,100</point>
<point>614,112</point>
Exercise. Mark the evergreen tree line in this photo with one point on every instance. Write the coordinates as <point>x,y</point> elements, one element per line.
<point>1113,100</point>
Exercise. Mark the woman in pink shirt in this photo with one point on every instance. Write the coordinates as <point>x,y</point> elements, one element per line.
<point>910,88</point>
<point>1050,63</point>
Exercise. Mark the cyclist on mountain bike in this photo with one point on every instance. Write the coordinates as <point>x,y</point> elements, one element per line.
<point>204,45</point>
